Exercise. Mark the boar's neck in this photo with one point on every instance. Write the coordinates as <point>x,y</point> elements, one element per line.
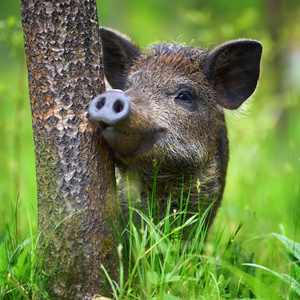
<point>211,179</point>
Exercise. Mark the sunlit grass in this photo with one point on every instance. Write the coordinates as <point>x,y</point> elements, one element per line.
<point>158,261</point>
<point>160,264</point>
<point>20,262</point>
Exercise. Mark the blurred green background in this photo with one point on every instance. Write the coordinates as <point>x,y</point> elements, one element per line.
<point>263,183</point>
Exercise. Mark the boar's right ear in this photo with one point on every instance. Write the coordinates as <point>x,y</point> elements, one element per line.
<point>118,53</point>
<point>233,70</point>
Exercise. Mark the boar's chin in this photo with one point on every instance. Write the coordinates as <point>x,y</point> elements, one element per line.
<point>128,143</point>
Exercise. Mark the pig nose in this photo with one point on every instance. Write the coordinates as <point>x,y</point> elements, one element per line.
<point>110,107</point>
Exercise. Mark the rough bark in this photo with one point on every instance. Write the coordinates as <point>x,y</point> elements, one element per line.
<point>75,172</point>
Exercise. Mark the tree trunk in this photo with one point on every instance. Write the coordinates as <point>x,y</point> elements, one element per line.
<point>74,169</point>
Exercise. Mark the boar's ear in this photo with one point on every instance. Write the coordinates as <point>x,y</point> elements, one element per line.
<point>233,70</point>
<point>118,53</point>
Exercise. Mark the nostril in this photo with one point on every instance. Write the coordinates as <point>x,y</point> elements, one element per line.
<point>100,103</point>
<point>118,106</point>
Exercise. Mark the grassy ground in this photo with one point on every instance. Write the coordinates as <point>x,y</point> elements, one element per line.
<point>156,263</point>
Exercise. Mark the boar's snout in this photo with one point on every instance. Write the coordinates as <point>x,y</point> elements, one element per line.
<point>110,107</point>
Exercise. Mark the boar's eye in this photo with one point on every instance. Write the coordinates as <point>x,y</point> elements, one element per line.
<point>184,96</point>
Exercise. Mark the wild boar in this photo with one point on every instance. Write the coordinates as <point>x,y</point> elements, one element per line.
<point>166,106</point>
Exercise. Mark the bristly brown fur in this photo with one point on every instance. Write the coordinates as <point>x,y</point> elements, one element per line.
<point>184,164</point>
<point>175,57</point>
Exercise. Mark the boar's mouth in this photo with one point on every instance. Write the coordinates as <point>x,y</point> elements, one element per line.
<point>127,143</point>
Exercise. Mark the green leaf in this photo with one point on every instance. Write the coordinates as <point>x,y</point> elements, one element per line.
<point>289,256</point>
<point>295,272</point>
<point>172,278</point>
<point>286,279</point>
<point>255,285</point>
<point>21,266</point>
<point>292,246</point>
<point>153,278</point>
<point>2,283</point>
<point>3,262</point>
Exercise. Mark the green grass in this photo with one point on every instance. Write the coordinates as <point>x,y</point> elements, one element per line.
<point>158,263</point>
<point>20,263</point>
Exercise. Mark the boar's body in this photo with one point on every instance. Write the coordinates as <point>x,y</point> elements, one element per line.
<point>169,104</point>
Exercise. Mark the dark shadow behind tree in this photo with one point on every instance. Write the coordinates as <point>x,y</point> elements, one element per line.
<point>74,169</point>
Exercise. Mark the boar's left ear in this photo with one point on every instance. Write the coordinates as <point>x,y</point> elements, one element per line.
<point>233,69</point>
<point>118,54</point>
